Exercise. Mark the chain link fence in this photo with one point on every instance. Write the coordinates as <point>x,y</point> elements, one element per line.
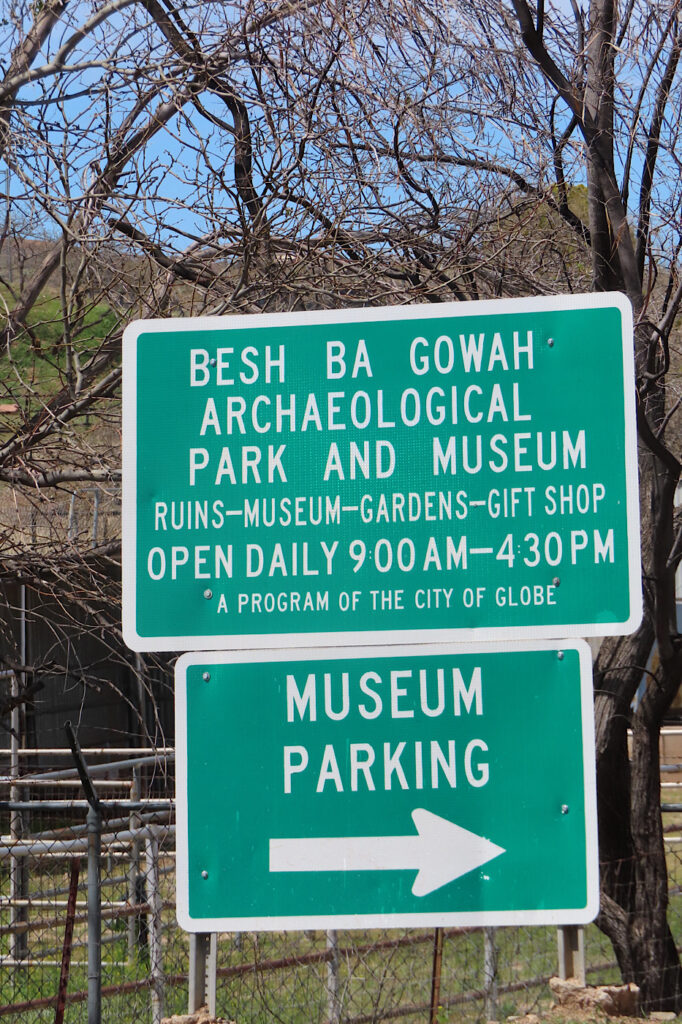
<point>347,976</point>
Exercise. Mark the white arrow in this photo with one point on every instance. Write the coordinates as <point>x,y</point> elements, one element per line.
<point>440,853</point>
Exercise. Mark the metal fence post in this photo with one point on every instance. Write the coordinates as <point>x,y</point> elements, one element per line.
<point>134,867</point>
<point>18,871</point>
<point>94,916</point>
<point>19,885</point>
<point>155,950</point>
<point>94,827</point>
<point>333,1001</point>
<point>490,973</point>
<point>571,941</point>
<point>436,975</point>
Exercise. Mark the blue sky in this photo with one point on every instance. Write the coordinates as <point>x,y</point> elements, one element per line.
<point>186,182</point>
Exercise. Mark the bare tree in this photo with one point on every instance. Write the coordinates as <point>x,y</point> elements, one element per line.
<point>200,157</point>
<point>628,139</point>
<point>204,158</point>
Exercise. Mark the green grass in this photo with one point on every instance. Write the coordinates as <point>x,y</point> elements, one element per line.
<point>370,981</point>
<point>376,972</point>
<point>39,354</point>
<point>374,976</point>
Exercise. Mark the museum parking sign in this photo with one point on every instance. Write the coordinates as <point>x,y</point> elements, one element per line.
<point>375,787</point>
<point>402,474</point>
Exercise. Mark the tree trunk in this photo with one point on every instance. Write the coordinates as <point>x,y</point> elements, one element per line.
<point>599,103</point>
<point>634,876</point>
<point>653,947</point>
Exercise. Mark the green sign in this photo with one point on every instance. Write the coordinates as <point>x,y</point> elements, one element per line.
<point>398,474</point>
<point>382,787</point>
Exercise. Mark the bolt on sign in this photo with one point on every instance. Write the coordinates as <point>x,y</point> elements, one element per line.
<point>386,786</point>
<point>405,474</point>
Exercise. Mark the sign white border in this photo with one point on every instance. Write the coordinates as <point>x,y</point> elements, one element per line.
<point>556,916</point>
<point>260,641</point>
